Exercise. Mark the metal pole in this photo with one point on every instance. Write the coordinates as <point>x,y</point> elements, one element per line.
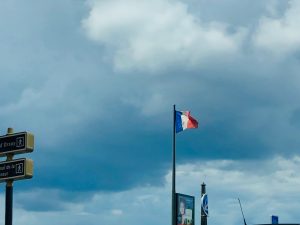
<point>242,212</point>
<point>9,191</point>
<point>9,203</point>
<point>174,171</point>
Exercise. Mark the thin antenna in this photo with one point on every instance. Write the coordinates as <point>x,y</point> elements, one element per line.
<point>242,212</point>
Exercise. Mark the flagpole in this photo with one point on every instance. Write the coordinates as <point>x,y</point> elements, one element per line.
<point>174,171</point>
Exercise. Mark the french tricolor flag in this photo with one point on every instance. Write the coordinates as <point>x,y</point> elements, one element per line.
<point>183,120</point>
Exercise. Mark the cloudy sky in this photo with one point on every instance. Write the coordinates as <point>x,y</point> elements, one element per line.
<point>96,80</point>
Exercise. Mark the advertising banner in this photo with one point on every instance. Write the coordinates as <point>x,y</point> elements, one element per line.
<point>185,209</point>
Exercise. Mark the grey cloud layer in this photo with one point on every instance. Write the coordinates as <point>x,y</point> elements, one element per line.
<point>265,187</point>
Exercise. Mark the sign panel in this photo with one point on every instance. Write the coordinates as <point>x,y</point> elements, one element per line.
<point>16,143</point>
<point>204,204</point>
<point>274,219</point>
<point>185,209</point>
<point>16,169</point>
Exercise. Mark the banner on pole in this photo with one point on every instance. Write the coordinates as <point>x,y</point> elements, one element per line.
<point>204,204</point>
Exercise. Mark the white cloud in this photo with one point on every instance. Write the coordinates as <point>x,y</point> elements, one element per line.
<point>279,35</point>
<point>154,35</point>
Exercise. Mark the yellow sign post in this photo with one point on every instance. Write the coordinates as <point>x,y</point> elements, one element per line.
<point>11,170</point>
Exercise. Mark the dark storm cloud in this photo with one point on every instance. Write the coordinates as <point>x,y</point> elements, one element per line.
<point>39,200</point>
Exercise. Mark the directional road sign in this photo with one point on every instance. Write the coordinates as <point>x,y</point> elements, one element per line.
<point>16,169</point>
<point>16,143</point>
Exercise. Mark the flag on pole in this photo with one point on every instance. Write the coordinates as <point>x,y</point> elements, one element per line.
<point>183,120</point>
